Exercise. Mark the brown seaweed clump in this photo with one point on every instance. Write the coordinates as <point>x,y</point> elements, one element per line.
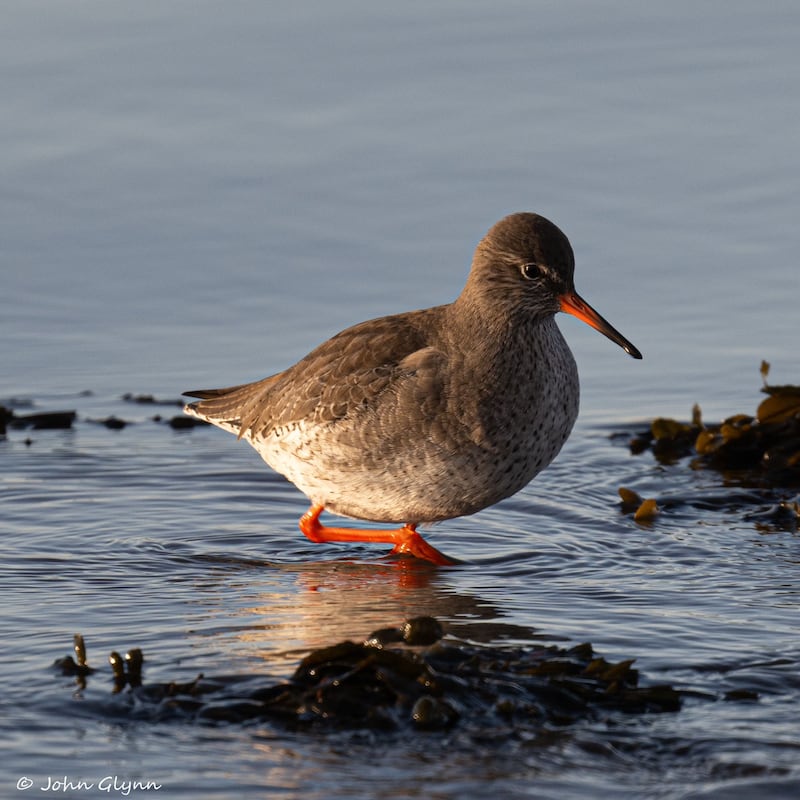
<point>757,450</point>
<point>408,678</point>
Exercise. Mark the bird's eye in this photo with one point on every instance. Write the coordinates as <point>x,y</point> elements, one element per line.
<point>530,271</point>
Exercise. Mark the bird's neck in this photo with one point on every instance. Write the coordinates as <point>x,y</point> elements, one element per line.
<point>490,331</point>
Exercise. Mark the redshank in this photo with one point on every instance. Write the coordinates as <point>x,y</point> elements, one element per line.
<point>431,414</point>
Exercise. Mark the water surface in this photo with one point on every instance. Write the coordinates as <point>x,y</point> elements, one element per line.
<point>196,197</point>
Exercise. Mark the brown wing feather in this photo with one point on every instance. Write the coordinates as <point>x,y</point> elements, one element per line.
<point>346,374</point>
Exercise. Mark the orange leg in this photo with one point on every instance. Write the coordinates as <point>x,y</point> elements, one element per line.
<point>405,540</point>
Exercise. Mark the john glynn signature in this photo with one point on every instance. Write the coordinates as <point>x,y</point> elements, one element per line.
<point>109,783</point>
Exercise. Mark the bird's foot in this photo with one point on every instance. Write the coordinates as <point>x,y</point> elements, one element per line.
<point>406,540</point>
<point>414,545</point>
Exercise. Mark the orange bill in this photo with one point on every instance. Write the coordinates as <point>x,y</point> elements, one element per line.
<point>574,304</point>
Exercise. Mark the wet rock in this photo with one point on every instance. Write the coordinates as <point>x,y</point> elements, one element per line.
<point>741,694</point>
<point>44,421</point>
<point>784,516</point>
<point>384,636</point>
<point>6,415</point>
<point>150,400</point>
<point>112,423</point>
<point>422,630</point>
<point>182,422</point>
<point>431,713</point>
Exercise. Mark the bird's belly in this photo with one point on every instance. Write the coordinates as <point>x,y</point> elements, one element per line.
<point>416,478</point>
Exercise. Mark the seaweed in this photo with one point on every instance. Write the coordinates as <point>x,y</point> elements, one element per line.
<point>761,450</point>
<point>411,677</point>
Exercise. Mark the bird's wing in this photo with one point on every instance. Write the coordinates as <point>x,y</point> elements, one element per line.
<point>343,377</point>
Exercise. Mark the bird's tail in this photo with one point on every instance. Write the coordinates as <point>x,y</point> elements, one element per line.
<point>233,408</point>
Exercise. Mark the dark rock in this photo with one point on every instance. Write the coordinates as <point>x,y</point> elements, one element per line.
<point>44,421</point>
<point>6,415</point>
<point>150,400</point>
<point>182,422</point>
<point>422,631</point>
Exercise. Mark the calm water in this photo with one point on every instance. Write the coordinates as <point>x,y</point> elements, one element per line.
<point>196,195</point>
